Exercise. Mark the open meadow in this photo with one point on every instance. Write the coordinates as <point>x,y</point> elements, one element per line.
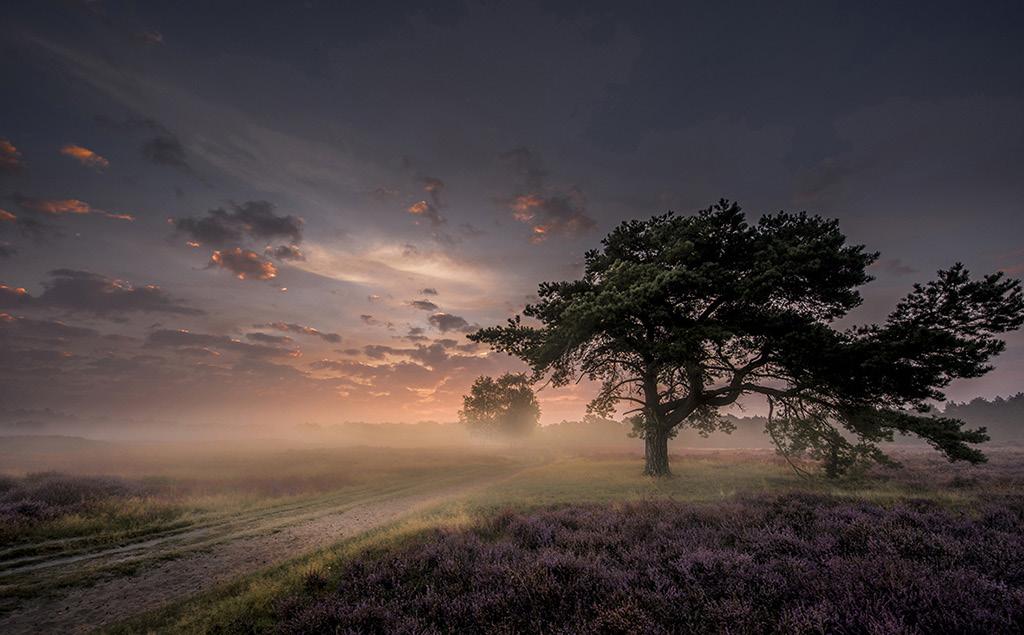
<point>263,538</point>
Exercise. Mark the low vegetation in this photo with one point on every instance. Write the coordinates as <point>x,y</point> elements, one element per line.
<point>792,563</point>
<point>725,515</point>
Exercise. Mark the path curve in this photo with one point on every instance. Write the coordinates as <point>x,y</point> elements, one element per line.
<point>84,609</point>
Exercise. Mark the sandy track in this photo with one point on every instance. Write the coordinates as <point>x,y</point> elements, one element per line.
<point>83,609</point>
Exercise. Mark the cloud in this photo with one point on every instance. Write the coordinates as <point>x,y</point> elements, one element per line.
<point>182,338</point>
<point>13,296</point>
<point>445,322</point>
<point>163,148</point>
<point>10,157</point>
<point>85,156</point>
<point>434,187</point>
<point>429,291</point>
<point>7,217</point>
<point>372,321</point>
<point>423,209</point>
<point>285,252</point>
<point>424,305</point>
<point>266,338</point>
<point>94,293</point>
<point>527,165</point>
<point>243,263</point>
<point>552,215</point>
<point>290,327</point>
<point>253,219</point>
<point>549,211</point>
<point>415,334</point>
<point>166,149</point>
<point>49,329</point>
<point>7,250</point>
<point>64,207</point>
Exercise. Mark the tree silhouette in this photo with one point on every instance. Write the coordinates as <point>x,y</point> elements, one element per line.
<point>505,406</point>
<point>678,316</point>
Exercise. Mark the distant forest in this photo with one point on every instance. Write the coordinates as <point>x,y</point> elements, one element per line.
<point>1004,418</point>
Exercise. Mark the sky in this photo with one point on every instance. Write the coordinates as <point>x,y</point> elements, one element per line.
<point>284,212</point>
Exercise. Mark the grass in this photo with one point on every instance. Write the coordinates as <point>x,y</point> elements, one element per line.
<point>250,603</point>
<point>88,533</point>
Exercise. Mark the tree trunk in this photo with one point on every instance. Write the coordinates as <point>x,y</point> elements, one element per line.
<point>656,461</point>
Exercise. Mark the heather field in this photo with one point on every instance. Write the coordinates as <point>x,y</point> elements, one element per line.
<point>734,542</point>
<point>756,564</point>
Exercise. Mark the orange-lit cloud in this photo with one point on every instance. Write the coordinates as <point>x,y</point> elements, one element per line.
<point>423,209</point>
<point>85,156</point>
<point>524,207</point>
<point>244,264</point>
<point>10,157</point>
<point>549,215</point>
<point>7,217</point>
<point>56,207</point>
<point>64,206</point>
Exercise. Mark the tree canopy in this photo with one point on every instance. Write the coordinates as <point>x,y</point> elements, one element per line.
<point>678,316</point>
<point>505,406</point>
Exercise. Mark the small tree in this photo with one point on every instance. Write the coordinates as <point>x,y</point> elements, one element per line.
<point>505,406</point>
<point>678,316</point>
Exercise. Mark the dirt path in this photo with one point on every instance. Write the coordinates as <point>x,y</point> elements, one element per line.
<point>250,547</point>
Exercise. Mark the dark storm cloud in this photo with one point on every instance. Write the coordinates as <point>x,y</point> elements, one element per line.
<point>423,305</point>
<point>290,327</point>
<point>266,338</point>
<point>445,322</point>
<point>285,252</point>
<point>7,250</point>
<point>182,339</point>
<point>253,219</point>
<point>89,292</point>
<point>243,263</point>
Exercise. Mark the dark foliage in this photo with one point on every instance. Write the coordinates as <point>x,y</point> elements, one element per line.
<point>504,406</point>
<point>789,564</point>
<point>679,316</point>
